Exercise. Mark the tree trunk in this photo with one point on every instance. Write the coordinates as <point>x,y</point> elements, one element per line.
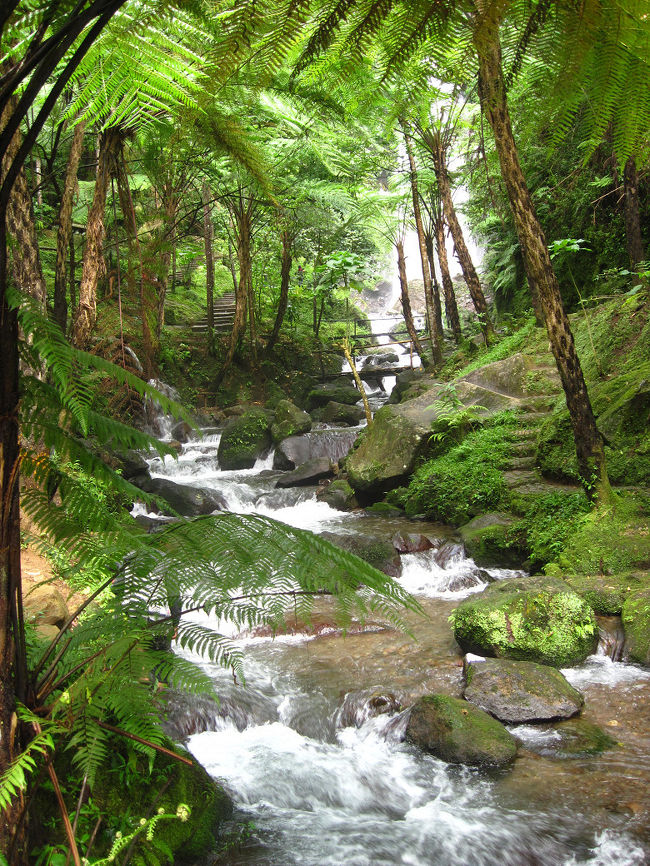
<point>27,272</point>
<point>241,295</point>
<point>208,240</point>
<point>428,241</point>
<point>451,308</point>
<point>168,254</point>
<point>635,249</point>
<point>93,260</point>
<point>492,92</point>
<point>465,260</point>
<point>285,272</point>
<point>406,301</point>
<point>434,334</point>
<point>134,257</point>
<point>252,325</point>
<point>64,231</point>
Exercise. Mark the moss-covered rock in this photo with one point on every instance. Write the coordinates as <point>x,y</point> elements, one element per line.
<point>606,594</point>
<point>172,783</point>
<point>488,539</point>
<point>338,495</point>
<point>244,439</point>
<point>341,392</point>
<point>515,692</point>
<point>459,732</point>
<point>339,413</point>
<point>532,619</point>
<point>636,622</point>
<point>376,551</point>
<point>289,421</point>
<point>578,738</point>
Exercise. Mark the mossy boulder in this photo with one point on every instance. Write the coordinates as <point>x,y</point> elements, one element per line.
<point>636,622</point>
<point>339,413</point>
<point>183,499</point>
<point>459,733</point>
<point>338,495</point>
<point>488,539</point>
<point>289,421</point>
<point>531,619</point>
<point>606,594</point>
<point>579,738</point>
<point>339,392</point>
<point>244,440</point>
<point>515,692</point>
<point>376,551</point>
<point>172,783</point>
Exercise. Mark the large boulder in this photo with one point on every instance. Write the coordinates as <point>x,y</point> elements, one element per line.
<point>517,376</point>
<point>339,413</point>
<point>307,473</point>
<point>376,551</point>
<point>606,594</point>
<point>296,450</point>
<point>459,733</point>
<point>289,421</point>
<point>488,542</point>
<point>339,495</point>
<point>636,622</point>
<point>339,392</point>
<point>412,542</point>
<point>44,605</point>
<point>532,619</point>
<point>405,382</point>
<point>244,439</point>
<point>515,692</point>
<point>184,499</point>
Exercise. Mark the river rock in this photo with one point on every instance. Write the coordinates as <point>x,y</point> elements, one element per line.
<point>289,421</point>
<point>181,431</point>
<point>296,450</point>
<point>607,593</point>
<point>339,413</point>
<point>185,500</point>
<point>338,392</point>
<point>404,381</point>
<point>307,473</point>
<point>449,552</point>
<point>532,619</point>
<point>459,733</point>
<point>244,439</point>
<point>515,692</point>
<point>636,622</point>
<point>380,359</point>
<point>376,551</point>
<point>357,707</point>
<point>486,540</point>
<point>411,542</point>
<point>339,495</point>
<point>44,605</point>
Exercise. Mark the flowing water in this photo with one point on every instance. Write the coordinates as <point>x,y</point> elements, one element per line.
<point>311,748</point>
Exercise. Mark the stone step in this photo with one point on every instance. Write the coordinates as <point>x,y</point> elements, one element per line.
<point>527,482</point>
<point>525,462</point>
<point>526,448</point>
<point>532,419</point>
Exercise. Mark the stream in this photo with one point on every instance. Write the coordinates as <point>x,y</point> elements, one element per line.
<point>311,749</point>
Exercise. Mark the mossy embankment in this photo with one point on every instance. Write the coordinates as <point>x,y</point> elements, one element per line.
<point>491,449</point>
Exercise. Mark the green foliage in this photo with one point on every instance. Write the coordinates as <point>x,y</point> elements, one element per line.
<point>548,522</point>
<point>453,419</point>
<point>467,480</point>
<point>503,349</point>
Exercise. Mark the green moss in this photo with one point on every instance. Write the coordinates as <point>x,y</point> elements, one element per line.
<point>528,620</point>
<point>244,439</point>
<point>607,594</point>
<point>636,622</point>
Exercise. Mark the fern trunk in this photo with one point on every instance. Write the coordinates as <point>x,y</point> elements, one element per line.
<point>406,301</point>
<point>64,230</point>
<point>632,210</point>
<point>464,259</point>
<point>243,227</point>
<point>208,242</point>
<point>26,262</point>
<point>285,272</point>
<point>93,260</point>
<point>434,335</point>
<point>451,308</point>
<point>428,240</point>
<point>492,92</point>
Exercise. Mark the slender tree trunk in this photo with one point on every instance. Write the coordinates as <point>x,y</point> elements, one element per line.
<point>465,260</point>
<point>252,325</point>
<point>492,91</point>
<point>359,383</point>
<point>167,257</point>
<point>26,262</point>
<point>208,240</point>
<point>231,265</point>
<point>93,260</point>
<point>243,222</point>
<point>134,258</point>
<point>406,301</point>
<point>428,240</point>
<point>64,231</point>
<point>72,277</point>
<point>434,334</point>
<point>451,308</point>
<point>635,248</point>
<point>285,272</point>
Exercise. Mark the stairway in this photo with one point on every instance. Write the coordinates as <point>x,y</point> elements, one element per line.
<point>224,316</point>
